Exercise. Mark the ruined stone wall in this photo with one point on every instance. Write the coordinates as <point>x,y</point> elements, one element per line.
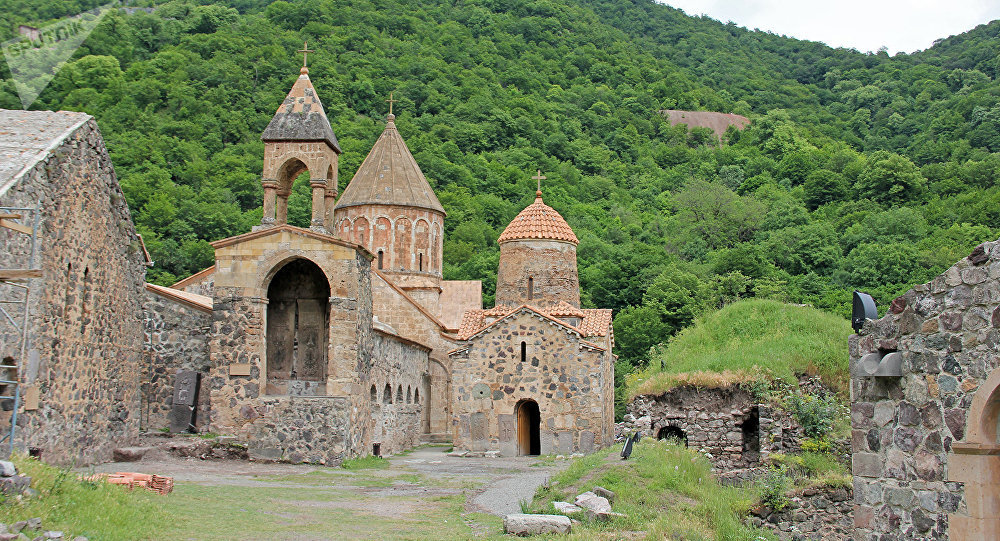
<point>398,366</point>
<point>177,340</point>
<point>726,424</point>
<point>909,483</point>
<point>550,264</point>
<point>815,513</point>
<point>564,376</point>
<point>711,420</point>
<point>85,353</point>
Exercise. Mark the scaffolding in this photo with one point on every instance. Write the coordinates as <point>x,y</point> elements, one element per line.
<point>15,295</point>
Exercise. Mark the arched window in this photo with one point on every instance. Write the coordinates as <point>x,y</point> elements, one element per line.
<point>420,262</point>
<point>374,393</point>
<point>524,351</point>
<point>399,394</point>
<point>416,396</point>
<point>531,288</point>
<point>409,396</point>
<point>84,298</point>
<point>387,394</point>
<point>380,257</point>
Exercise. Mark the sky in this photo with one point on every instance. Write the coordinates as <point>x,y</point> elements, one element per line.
<point>865,25</point>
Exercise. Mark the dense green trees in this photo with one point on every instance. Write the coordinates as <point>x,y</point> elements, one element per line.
<point>858,170</point>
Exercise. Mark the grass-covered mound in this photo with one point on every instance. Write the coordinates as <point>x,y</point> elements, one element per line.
<point>94,509</point>
<point>747,340</point>
<point>667,492</point>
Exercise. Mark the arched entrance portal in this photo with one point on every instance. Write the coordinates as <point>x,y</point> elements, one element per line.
<point>672,433</point>
<point>297,328</point>
<point>529,419</point>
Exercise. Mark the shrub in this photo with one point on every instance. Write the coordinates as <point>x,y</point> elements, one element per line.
<point>773,487</point>
<point>819,444</point>
<point>815,414</point>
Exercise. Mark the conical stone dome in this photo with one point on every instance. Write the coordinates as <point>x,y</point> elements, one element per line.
<point>538,221</point>
<point>390,176</point>
<point>301,117</point>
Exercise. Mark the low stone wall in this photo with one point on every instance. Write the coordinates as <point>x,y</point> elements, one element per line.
<point>298,429</point>
<point>177,340</point>
<point>813,513</point>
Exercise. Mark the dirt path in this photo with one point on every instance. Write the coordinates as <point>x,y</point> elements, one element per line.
<point>425,494</point>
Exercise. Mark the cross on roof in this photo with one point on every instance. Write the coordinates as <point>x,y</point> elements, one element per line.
<point>305,53</point>
<point>539,177</point>
<point>391,101</point>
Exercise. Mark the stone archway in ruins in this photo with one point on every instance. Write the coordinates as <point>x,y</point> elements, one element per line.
<point>297,330</point>
<point>976,462</point>
<point>528,417</point>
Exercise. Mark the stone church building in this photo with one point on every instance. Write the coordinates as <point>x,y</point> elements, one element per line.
<point>343,339</point>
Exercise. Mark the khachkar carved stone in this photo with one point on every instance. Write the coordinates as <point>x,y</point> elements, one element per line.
<point>185,400</point>
<point>925,443</point>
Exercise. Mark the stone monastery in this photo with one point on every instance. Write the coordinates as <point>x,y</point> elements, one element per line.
<point>305,344</point>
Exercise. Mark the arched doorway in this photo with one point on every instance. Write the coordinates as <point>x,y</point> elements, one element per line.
<point>297,328</point>
<point>672,433</point>
<point>529,441</point>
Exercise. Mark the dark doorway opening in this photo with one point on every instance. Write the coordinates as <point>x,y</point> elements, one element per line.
<point>750,428</point>
<point>672,433</point>
<point>529,441</point>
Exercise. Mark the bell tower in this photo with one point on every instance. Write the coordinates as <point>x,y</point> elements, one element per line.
<point>299,138</point>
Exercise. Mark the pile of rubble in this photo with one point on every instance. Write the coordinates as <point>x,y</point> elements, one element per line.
<point>595,505</point>
<point>18,532</point>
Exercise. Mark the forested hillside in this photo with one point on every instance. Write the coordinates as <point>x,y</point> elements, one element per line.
<point>859,170</point>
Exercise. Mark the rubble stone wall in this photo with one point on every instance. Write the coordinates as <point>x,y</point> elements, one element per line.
<point>815,513</point>
<point>177,340</point>
<point>86,337</point>
<point>911,479</point>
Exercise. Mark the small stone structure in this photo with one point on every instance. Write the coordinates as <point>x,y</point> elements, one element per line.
<point>926,455</point>
<point>726,423</point>
<point>84,355</point>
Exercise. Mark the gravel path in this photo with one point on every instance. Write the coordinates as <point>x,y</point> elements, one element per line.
<point>503,496</point>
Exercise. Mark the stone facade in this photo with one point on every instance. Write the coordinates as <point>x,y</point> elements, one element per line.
<point>926,458</point>
<point>409,238</point>
<point>568,378</point>
<point>176,341</point>
<point>84,356</point>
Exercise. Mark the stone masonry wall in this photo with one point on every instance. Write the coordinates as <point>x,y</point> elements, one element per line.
<point>815,513</point>
<point>86,335</point>
<point>177,339</point>
<point>399,366</point>
<point>565,377</point>
<point>904,427</point>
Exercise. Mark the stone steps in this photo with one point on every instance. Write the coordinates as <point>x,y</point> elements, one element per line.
<point>435,438</point>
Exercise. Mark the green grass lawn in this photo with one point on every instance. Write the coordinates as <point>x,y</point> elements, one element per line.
<point>751,340</point>
<point>96,510</point>
<point>666,491</point>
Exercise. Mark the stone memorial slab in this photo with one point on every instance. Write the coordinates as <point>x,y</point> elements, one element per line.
<point>186,388</point>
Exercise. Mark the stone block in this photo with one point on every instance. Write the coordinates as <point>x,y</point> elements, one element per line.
<point>593,502</point>
<point>566,508</point>
<point>524,524</point>
<point>866,464</point>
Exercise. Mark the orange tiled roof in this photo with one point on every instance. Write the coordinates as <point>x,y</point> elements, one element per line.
<point>595,322</point>
<point>538,221</point>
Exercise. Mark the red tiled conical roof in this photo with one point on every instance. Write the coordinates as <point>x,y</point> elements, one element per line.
<point>538,221</point>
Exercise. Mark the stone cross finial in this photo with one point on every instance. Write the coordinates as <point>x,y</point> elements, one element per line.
<point>539,177</point>
<point>391,101</point>
<point>305,53</point>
